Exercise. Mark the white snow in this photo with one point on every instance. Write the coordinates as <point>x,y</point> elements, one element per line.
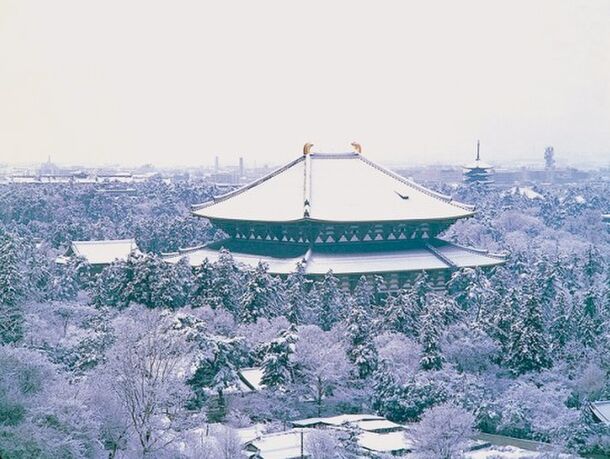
<point>281,445</point>
<point>101,252</point>
<point>338,420</point>
<point>526,191</point>
<point>385,443</point>
<point>319,262</point>
<point>340,187</point>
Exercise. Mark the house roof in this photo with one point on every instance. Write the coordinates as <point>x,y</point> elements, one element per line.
<point>601,410</point>
<point>280,445</point>
<point>385,443</point>
<point>337,420</point>
<point>348,258</point>
<point>101,252</point>
<point>342,187</point>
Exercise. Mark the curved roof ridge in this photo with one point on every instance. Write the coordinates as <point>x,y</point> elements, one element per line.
<point>230,194</point>
<point>423,189</point>
<point>104,241</point>
<point>475,250</point>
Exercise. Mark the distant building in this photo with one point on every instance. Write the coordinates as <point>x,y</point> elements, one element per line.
<point>606,218</point>
<point>100,253</point>
<point>478,171</point>
<point>339,212</point>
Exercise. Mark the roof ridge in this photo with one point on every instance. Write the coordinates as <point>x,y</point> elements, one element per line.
<point>103,241</point>
<point>423,189</point>
<point>230,194</point>
<point>475,250</point>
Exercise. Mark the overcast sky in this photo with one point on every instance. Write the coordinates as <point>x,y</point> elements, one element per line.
<point>179,82</point>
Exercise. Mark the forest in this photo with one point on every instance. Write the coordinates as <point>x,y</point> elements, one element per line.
<point>131,361</point>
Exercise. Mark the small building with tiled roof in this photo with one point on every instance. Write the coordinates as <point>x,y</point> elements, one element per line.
<point>100,253</point>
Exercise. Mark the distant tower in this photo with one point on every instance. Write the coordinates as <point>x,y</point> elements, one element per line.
<point>549,163</point>
<point>241,166</point>
<point>478,171</point>
<point>216,164</point>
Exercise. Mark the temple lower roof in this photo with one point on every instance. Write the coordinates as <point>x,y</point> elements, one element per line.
<point>345,259</point>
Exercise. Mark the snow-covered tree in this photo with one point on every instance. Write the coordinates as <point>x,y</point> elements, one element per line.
<point>443,432</point>
<point>327,301</point>
<point>11,288</point>
<point>431,324</point>
<point>322,362</point>
<point>226,289</point>
<point>278,362</point>
<point>359,335</point>
<point>297,295</point>
<point>262,296</point>
<point>527,346</point>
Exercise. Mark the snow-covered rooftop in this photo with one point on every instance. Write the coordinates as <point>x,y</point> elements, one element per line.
<point>478,164</point>
<point>385,442</point>
<point>342,187</point>
<point>281,445</point>
<point>353,259</point>
<point>601,410</point>
<point>337,420</point>
<point>101,252</point>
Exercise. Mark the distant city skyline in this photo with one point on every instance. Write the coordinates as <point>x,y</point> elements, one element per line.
<point>417,83</point>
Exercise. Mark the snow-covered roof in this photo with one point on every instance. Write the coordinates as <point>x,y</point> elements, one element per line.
<point>251,378</point>
<point>353,258</point>
<point>337,420</point>
<point>376,425</point>
<point>101,252</point>
<point>601,410</point>
<point>385,442</point>
<point>526,191</point>
<point>281,445</point>
<point>477,164</point>
<point>606,217</point>
<point>342,187</point>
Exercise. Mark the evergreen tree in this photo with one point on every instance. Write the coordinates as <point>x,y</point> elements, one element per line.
<point>217,369</point>
<point>431,325</point>
<point>11,288</point>
<point>278,366</point>
<point>327,301</point>
<point>112,286</point>
<point>528,348</point>
<point>361,349</point>
<point>262,297</point>
<point>202,283</point>
<point>12,283</point>
<point>226,289</point>
<point>402,314</point>
<point>296,295</point>
<point>561,324</point>
<point>589,319</point>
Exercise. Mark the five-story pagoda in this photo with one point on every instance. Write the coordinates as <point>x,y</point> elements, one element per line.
<point>338,212</point>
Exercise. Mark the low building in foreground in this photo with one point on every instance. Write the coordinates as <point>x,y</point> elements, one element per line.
<point>100,253</point>
<point>341,213</point>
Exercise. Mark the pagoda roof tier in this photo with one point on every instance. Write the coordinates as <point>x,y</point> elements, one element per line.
<point>345,259</point>
<point>342,187</point>
<point>478,164</point>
